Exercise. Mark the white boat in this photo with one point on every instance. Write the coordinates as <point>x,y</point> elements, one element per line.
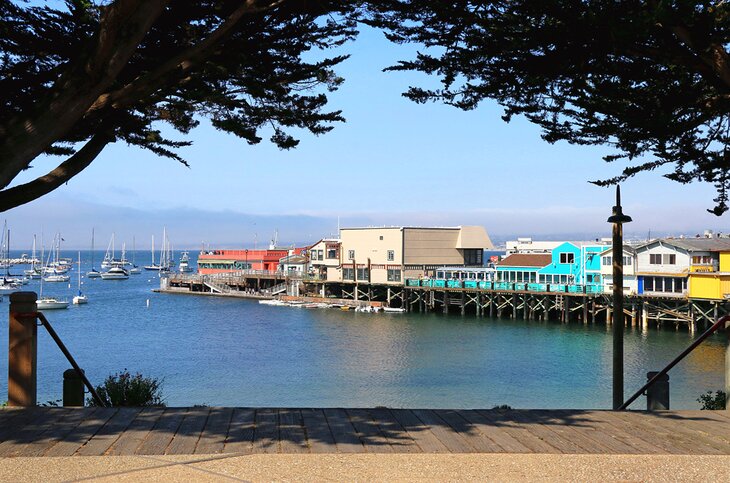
<point>153,266</point>
<point>34,272</point>
<point>6,286</point>
<point>80,299</point>
<point>51,304</point>
<point>185,263</point>
<point>115,273</point>
<point>393,310</point>
<point>93,273</point>
<point>109,260</point>
<point>57,278</point>
<point>135,269</point>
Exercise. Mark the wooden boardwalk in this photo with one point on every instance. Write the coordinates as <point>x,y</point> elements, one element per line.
<point>156,431</point>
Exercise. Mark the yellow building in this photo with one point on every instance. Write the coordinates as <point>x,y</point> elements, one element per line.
<point>708,280</point>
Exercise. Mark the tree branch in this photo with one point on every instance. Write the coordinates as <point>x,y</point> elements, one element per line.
<point>24,193</point>
<point>123,25</point>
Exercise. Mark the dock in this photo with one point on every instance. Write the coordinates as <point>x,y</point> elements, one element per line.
<point>49,431</point>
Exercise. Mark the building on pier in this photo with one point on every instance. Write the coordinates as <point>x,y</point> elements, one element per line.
<point>226,261</point>
<point>323,256</point>
<point>631,284</point>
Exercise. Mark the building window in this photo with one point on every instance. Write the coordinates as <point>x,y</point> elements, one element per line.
<point>381,237</point>
<point>348,274</point>
<point>351,254</point>
<point>655,259</point>
<point>394,275</point>
<point>391,255</point>
<point>607,261</point>
<point>473,256</point>
<point>627,261</point>
<point>567,258</point>
<point>320,254</point>
<point>363,274</point>
<point>332,253</point>
<point>669,259</point>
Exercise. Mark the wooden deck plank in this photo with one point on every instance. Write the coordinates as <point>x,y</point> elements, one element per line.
<point>343,431</point>
<point>16,418</point>
<point>419,431</point>
<point>707,423</point>
<point>506,422</point>
<point>552,434</point>
<point>583,432</point>
<point>368,431</point>
<point>136,433</point>
<point>468,431</point>
<point>318,433</point>
<point>162,433</point>
<point>109,433</point>
<point>398,438</point>
<point>88,427</point>
<point>630,438</point>
<point>491,431</point>
<point>240,431</point>
<point>266,432</point>
<point>30,428</point>
<point>56,432</point>
<point>213,438</point>
<point>187,435</point>
<point>445,433</point>
<point>291,432</point>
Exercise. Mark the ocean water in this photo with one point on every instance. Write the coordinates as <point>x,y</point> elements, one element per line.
<point>228,352</point>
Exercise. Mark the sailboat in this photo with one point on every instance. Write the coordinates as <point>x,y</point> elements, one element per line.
<point>34,272</point>
<point>9,282</point>
<point>109,260</point>
<point>135,269</point>
<point>56,269</point>
<point>49,303</point>
<point>80,298</point>
<point>93,273</point>
<point>153,266</point>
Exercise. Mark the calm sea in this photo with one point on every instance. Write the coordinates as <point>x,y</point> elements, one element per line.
<point>226,352</point>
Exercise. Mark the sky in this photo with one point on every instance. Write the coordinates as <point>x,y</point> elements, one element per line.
<point>393,162</point>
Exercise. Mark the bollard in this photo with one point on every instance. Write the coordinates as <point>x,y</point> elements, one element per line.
<point>657,395</point>
<point>73,388</point>
<point>22,350</point>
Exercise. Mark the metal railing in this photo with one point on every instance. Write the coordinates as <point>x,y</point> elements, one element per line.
<point>513,286</point>
<point>45,323</point>
<point>714,328</point>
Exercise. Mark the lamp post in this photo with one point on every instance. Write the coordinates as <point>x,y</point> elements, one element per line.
<point>618,219</point>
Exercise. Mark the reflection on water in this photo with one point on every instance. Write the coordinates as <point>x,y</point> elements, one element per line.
<point>239,353</point>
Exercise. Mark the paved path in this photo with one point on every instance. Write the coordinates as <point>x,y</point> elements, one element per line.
<point>250,431</point>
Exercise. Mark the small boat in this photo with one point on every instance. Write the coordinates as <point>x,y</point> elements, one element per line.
<point>93,273</point>
<point>115,273</point>
<point>8,286</point>
<point>185,263</point>
<point>51,304</point>
<point>393,310</point>
<point>80,299</point>
<point>57,278</point>
<point>135,269</point>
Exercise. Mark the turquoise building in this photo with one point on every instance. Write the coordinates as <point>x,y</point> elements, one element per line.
<point>574,263</point>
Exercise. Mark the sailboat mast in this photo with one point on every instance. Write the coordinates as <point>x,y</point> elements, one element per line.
<point>92,248</point>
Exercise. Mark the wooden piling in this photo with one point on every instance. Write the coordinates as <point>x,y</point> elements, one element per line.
<point>22,350</point>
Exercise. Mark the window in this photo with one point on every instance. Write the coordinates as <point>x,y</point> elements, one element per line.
<point>332,253</point>
<point>320,254</point>
<point>607,261</point>
<point>627,261</point>
<point>473,256</point>
<point>648,284</point>
<point>655,259</point>
<point>348,274</point>
<point>393,275</point>
<point>362,274</point>
<point>351,254</point>
<point>678,285</point>
<point>567,257</point>
<point>381,237</point>
<point>391,255</point>
<point>669,259</point>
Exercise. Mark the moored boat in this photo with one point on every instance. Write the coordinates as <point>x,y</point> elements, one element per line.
<point>115,273</point>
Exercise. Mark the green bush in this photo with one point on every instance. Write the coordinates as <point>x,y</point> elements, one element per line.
<point>124,389</point>
<point>712,402</point>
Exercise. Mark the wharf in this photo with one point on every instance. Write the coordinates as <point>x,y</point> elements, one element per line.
<point>48,431</point>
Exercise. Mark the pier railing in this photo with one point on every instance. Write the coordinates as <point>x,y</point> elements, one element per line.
<point>514,286</point>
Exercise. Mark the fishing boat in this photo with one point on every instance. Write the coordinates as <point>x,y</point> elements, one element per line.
<point>80,299</point>
<point>93,273</point>
<point>115,273</point>
<point>185,263</point>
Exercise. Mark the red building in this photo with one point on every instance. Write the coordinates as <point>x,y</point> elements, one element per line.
<point>221,261</point>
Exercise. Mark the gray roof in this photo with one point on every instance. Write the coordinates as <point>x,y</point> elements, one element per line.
<point>698,244</point>
<point>628,249</point>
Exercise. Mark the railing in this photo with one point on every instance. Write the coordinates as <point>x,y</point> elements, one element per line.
<point>505,286</point>
<point>714,328</point>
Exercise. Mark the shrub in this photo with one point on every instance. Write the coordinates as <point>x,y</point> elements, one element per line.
<point>712,402</point>
<point>124,389</point>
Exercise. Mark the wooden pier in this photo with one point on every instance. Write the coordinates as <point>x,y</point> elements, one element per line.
<point>640,311</point>
<point>40,431</point>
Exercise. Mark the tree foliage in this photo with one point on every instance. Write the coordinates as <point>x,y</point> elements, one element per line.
<point>651,79</point>
<point>74,79</point>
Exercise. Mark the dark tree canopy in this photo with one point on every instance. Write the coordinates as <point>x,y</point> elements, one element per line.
<point>651,79</point>
<point>75,79</point>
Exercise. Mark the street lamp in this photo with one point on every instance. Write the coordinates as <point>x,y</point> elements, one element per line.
<point>618,219</point>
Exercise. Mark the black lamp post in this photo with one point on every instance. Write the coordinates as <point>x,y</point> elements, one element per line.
<point>618,219</point>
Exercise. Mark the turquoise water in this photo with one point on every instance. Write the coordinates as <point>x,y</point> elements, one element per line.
<point>227,352</point>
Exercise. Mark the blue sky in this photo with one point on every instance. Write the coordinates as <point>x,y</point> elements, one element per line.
<point>394,162</point>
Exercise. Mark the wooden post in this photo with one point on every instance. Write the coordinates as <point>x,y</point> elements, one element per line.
<point>446,302</point>
<point>22,350</point>
<point>525,305</point>
<point>463,302</point>
<point>566,308</point>
<point>491,305</point>
<point>727,365</point>
<point>585,310</point>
